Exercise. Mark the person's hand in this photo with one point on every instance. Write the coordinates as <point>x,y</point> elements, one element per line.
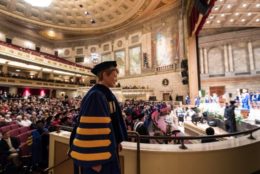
<point>12,150</point>
<point>120,147</point>
<point>97,168</point>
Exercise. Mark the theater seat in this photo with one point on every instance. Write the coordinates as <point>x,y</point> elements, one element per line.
<point>14,132</point>
<point>5,129</point>
<point>23,137</point>
<point>23,129</point>
<point>14,126</point>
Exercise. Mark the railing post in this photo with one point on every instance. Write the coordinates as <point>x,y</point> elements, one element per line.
<point>182,146</point>
<point>251,137</point>
<point>138,161</point>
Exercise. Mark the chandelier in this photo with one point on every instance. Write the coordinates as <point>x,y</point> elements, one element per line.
<point>39,3</point>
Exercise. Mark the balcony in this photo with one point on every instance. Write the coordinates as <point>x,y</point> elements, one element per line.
<point>38,83</point>
<point>41,59</point>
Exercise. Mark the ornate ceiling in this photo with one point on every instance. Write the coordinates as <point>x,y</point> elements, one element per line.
<point>76,16</point>
<point>234,13</point>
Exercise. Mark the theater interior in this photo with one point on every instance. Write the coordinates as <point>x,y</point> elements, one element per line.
<point>182,65</point>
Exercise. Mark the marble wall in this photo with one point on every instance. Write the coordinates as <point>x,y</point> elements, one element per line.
<point>230,59</point>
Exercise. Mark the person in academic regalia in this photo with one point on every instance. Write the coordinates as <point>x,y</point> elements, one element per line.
<point>245,100</point>
<point>231,117</point>
<point>95,140</point>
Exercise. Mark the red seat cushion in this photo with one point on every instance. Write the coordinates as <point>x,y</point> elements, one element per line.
<point>23,129</point>
<point>14,133</point>
<point>23,137</point>
<point>14,126</point>
<point>5,129</point>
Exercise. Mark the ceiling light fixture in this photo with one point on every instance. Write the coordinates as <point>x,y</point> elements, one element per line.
<point>243,20</point>
<point>257,20</point>
<point>257,5</point>
<point>231,20</point>
<point>244,5</point>
<point>51,33</point>
<point>92,21</point>
<point>216,8</point>
<point>39,3</point>
<point>218,21</point>
<point>86,13</point>
<point>208,22</point>
<point>222,15</point>
<point>249,14</point>
<point>229,6</point>
<point>236,14</point>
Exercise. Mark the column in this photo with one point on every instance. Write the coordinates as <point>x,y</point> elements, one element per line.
<point>193,69</point>
<point>40,74</point>
<point>230,56</point>
<point>127,59</point>
<point>5,68</point>
<point>51,76</point>
<point>226,58</point>
<point>251,56</point>
<point>205,51</point>
<point>181,39</point>
<point>201,61</point>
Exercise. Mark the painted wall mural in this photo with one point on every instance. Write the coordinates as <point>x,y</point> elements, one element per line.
<point>164,47</point>
<point>135,60</point>
<point>120,59</point>
<point>107,57</point>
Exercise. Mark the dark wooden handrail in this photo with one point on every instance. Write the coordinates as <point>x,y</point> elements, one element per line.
<point>183,138</point>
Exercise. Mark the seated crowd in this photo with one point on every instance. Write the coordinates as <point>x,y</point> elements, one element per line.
<point>23,122</point>
<point>25,125</point>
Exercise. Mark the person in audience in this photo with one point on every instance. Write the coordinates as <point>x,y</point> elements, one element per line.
<point>19,120</point>
<point>231,117</point>
<point>101,112</point>
<point>25,122</point>
<point>8,118</point>
<point>44,134</point>
<point>187,100</point>
<point>209,131</point>
<point>141,129</point>
<point>180,114</point>
<point>245,99</point>
<point>9,149</point>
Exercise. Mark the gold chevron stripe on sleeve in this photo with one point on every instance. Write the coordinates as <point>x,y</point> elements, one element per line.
<point>91,143</point>
<point>90,157</point>
<point>93,131</point>
<point>88,119</point>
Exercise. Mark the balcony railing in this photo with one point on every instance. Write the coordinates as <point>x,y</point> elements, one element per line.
<point>45,59</point>
<point>166,68</point>
<point>20,81</point>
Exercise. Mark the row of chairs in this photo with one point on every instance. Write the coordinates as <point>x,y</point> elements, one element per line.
<point>18,131</point>
<point>10,127</point>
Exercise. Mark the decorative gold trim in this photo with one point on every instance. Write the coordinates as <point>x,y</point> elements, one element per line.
<point>89,119</point>
<point>90,157</point>
<point>93,131</point>
<point>91,143</point>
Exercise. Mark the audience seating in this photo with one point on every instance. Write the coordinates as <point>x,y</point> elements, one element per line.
<point>23,137</point>
<point>5,129</point>
<point>14,132</point>
<point>23,129</point>
<point>14,126</point>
